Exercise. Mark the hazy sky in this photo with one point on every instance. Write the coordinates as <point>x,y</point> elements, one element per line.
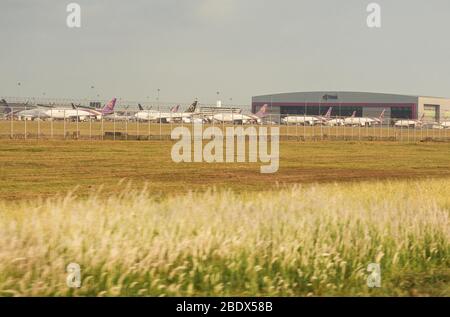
<point>193,48</point>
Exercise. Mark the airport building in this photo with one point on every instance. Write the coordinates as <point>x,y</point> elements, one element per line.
<point>366,104</point>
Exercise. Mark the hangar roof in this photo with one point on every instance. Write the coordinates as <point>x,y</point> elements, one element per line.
<point>340,95</point>
<point>337,96</point>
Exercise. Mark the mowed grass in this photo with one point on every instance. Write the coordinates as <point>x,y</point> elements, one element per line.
<point>29,169</point>
<point>314,240</point>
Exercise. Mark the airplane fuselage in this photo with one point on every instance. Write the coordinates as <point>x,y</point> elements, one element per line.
<point>334,122</point>
<point>446,124</point>
<point>235,118</point>
<point>161,116</point>
<point>304,120</point>
<point>360,121</point>
<point>60,114</point>
<point>407,124</point>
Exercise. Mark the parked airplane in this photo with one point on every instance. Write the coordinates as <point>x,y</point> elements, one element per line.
<point>80,113</point>
<point>239,118</point>
<point>408,123</point>
<point>165,117</point>
<point>327,120</point>
<point>49,112</point>
<point>9,111</point>
<point>446,124</point>
<point>364,121</point>
<point>335,121</point>
<point>153,115</point>
<point>32,114</point>
<point>307,120</point>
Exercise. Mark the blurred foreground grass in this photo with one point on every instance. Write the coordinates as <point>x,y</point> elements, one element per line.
<point>306,240</point>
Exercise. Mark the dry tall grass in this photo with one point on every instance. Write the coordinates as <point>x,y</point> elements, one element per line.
<point>313,240</point>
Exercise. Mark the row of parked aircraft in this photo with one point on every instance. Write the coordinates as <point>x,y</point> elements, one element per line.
<point>356,121</point>
<point>328,120</point>
<point>59,113</point>
<point>192,115</point>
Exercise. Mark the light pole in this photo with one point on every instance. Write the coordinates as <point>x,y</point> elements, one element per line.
<point>320,117</point>
<point>160,121</point>
<point>93,94</point>
<point>19,84</point>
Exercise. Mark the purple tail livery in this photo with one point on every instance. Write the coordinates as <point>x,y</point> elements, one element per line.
<point>109,107</point>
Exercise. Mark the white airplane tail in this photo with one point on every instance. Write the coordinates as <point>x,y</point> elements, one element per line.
<point>328,114</point>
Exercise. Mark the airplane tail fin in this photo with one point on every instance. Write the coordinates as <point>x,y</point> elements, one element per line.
<point>422,117</point>
<point>328,114</point>
<point>140,107</point>
<point>262,111</point>
<point>73,106</point>
<point>175,109</point>
<point>109,107</point>
<point>354,114</point>
<point>381,117</point>
<point>7,109</point>
<point>192,107</point>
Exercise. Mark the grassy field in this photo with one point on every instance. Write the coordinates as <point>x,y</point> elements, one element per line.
<point>224,229</point>
<point>43,168</point>
<point>314,240</point>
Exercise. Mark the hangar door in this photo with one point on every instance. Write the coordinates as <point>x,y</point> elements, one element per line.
<point>431,113</point>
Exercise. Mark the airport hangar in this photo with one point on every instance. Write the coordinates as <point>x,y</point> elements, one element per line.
<point>365,104</point>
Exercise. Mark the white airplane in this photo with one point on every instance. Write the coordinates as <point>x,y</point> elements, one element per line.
<point>239,118</point>
<point>32,114</point>
<point>23,112</point>
<point>81,114</point>
<point>42,112</point>
<point>28,114</point>
<point>307,120</point>
<point>363,121</point>
<point>445,124</point>
<point>407,123</point>
<point>327,120</point>
<point>194,120</point>
<point>166,117</point>
<point>303,120</point>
